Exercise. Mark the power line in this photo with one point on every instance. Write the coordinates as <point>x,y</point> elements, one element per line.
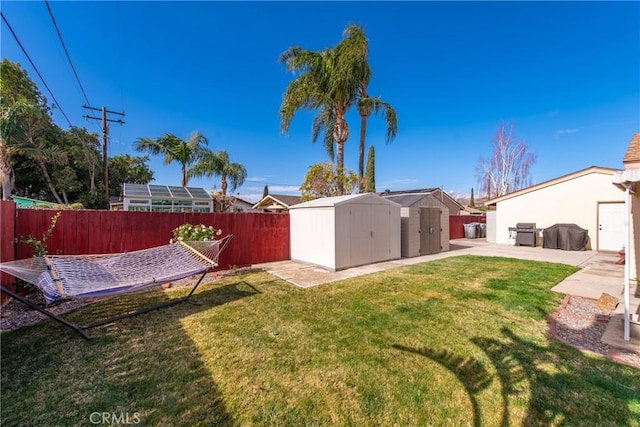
<point>64,46</point>
<point>35,68</point>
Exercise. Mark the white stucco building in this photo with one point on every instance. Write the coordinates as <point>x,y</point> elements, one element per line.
<point>587,198</point>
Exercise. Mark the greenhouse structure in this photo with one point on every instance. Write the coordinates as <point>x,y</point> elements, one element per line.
<point>165,198</point>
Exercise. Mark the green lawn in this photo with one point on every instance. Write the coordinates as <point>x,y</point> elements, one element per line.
<point>460,341</point>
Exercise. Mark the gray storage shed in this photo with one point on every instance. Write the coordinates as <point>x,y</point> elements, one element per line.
<point>345,231</point>
<point>424,223</point>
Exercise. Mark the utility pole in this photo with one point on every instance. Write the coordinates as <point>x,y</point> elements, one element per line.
<point>105,133</point>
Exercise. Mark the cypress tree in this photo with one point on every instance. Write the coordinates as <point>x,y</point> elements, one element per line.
<point>370,174</point>
<point>265,192</point>
<point>472,203</point>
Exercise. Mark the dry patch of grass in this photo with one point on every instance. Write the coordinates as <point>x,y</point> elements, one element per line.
<point>452,342</point>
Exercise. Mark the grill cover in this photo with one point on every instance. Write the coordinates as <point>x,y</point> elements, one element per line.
<point>568,237</point>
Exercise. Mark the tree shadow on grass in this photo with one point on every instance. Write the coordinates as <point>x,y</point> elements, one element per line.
<point>145,369</point>
<point>471,373</point>
<point>568,391</point>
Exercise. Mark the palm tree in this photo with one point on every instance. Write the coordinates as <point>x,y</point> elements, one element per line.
<point>185,152</point>
<point>358,54</point>
<point>327,81</point>
<point>366,106</point>
<point>218,164</point>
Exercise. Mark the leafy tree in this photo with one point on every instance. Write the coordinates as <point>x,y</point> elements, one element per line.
<point>322,181</point>
<point>174,149</point>
<point>327,81</point>
<point>30,132</point>
<point>87,155</point>
<point>15,86</point>
<point>509,168</point>
<point>265,191</point>
<point>370,177</point>
<point>24,120</point>
<point>218,164</point>
<point>38,158</point>
<point>125,168</point>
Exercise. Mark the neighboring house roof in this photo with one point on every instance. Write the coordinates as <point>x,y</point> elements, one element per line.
<point>277,202</point>
<point>242,201</point>
<point>633,151</point>
<point>473,211</point>
<point>25,202</point>
<point>564,178</point>
<point>433,190</point>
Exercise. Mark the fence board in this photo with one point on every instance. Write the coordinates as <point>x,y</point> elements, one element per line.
<point>82,232</point>
<point>7,246</point>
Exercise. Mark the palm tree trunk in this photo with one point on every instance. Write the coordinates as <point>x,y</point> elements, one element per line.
<point>223,184</point>
<point>363,135</point>
<point>47,179</point>
<point>340,134</point>
<point>6,179</point>
<point>184,175</point>
<point>6,175</point>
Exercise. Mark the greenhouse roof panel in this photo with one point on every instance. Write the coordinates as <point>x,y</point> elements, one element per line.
<point>165,192</point>
<point>159,191</point>
<point>136,190</point>
<point>179,192</point>
<point>198,193</point>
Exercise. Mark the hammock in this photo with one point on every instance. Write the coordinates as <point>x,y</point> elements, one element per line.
<point>84,276</point>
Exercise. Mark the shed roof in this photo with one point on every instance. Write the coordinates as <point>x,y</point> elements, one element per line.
<point>432,190</point>
<point>341,200</point>
<point>406,200</point>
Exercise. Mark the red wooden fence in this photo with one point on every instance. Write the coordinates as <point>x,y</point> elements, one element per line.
<point>7,232</point>
<point>456,224</point>
<point>258,237</point>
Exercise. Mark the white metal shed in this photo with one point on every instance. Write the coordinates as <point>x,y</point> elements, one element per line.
<point>345,231</point>
<point>424,223</point>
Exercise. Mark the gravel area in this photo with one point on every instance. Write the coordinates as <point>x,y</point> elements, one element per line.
<point>578,321</point>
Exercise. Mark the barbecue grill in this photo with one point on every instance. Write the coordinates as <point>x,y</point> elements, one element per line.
<point>526,233</point>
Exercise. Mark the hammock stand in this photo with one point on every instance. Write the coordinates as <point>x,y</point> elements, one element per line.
<point>206,262</point>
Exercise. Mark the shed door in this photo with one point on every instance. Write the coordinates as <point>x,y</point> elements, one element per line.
<point>361,233</point>
<point>381,238</point>
<point>610,226</point>
<point>429,231</point>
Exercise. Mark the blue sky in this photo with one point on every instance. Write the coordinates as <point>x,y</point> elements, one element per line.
<point>566,74</point>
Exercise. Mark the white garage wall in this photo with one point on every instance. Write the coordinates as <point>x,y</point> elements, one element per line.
<point>572,201</point>
<point>491,226</point>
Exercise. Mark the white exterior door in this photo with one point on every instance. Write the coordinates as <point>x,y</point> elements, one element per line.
<point>610,226</point>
